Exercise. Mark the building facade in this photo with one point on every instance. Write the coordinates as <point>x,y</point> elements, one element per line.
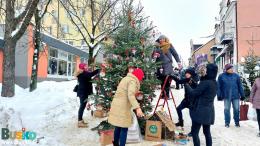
<point>202,53</point>
<point>237,32</point>
<point>57,60</point>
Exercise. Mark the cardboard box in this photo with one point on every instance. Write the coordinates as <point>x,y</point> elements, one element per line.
<point>106,137</point>
<point>153,131</point>
<point>165,118</point>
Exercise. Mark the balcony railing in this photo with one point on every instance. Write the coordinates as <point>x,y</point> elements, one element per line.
<point>226,38</point>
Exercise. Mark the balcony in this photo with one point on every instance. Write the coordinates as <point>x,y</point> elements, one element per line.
<point>226,38</point>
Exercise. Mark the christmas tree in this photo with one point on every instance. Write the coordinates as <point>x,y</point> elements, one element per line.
<point>131,48</point>
<point>250,64</point>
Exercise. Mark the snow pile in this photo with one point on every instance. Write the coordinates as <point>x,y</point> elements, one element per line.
<point>51,112</point>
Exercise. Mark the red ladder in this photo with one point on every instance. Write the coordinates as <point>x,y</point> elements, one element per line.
<point>166,97</point>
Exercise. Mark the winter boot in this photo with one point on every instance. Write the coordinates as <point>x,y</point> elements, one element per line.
<point>258,135</point>
<point>237,125</point>
<point>180,123</point>
<point>227,125</point>
<point>81,124</point>
<point>115,144</point>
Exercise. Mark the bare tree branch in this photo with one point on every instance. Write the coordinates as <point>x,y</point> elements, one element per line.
<point>45,9</point>
<point>23,14</point>
<point>26,19</point>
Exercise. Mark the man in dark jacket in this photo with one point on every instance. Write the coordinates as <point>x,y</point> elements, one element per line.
<point>230,90</point>
<point>191,78</point>
<point>202,110</point>
<point>166,51</point>
<point>84,90</point>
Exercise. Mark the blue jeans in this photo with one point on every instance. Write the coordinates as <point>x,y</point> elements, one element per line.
<point>120,135</point>
<point>195,129</point>
<point>235,105</point>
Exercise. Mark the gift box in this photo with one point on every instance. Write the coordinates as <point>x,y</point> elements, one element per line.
<point>106,137</point>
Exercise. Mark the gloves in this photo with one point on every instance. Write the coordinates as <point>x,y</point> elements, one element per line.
<point>242,98</point>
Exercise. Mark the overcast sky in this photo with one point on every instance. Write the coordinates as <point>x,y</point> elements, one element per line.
<point>182,20</point>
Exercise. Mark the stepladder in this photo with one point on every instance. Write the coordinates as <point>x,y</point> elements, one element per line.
<point>163,96</point>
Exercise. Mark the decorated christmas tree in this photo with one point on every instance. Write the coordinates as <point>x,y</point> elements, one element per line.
<point>131,48</point>
<point>250,65</point>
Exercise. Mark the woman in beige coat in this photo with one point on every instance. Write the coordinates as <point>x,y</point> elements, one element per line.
<point>123,102</point>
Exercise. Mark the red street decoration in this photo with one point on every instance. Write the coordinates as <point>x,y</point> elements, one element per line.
<point>139,96</point>
<point>142,40</point>
<point>133,50</point>
<point>127,52</point>
<point>156,55</point>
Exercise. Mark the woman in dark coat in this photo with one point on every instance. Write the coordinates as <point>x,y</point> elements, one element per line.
<point>202,110</point>
<point>166,51</point>
<point>84,90</point>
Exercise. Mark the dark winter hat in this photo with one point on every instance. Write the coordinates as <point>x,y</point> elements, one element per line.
<point>138,73</point>
<point>212,71</point>
<point>190,71</point>
<point>161,37</point>
<point>228,66</point>
<point>82,66</point>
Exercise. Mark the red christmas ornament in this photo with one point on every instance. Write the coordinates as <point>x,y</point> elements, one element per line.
<point>139,96</point>
<point>156,55</point>
<point>133,50</point>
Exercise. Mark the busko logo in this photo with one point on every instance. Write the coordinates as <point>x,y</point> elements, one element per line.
<point>17,135</point>
<point>153,129</point>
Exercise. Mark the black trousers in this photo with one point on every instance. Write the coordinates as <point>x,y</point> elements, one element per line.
<point>258,118</point>
<point>184,104</point>
<point>195,129</point>
<point>82,106</point>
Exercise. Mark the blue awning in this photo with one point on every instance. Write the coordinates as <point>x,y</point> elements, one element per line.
<point>58,44</point>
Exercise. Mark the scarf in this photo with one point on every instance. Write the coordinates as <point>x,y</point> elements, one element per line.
<point>165,46</point>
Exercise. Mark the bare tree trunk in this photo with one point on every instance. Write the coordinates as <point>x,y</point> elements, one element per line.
<point>14,29</point>
<point>37,35</point>
<point>8,68</point>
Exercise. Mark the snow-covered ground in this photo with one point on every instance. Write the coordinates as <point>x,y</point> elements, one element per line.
<point>51,112</point>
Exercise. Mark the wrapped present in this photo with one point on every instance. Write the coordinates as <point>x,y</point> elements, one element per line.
<point>106,137</point>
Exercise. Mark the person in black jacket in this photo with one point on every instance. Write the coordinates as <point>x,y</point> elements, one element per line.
<point>202,110</point>
<point>84,90</point>
<point>192,79</point>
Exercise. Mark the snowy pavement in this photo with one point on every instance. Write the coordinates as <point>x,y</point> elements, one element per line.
<point>51,112</point>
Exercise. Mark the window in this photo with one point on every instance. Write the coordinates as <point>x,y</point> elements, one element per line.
<point>62,68</point>
<point>53,53</point>
<point>65,28</point>
<point>61,64</point>
<point>82,12</point>
<point>52,68</point>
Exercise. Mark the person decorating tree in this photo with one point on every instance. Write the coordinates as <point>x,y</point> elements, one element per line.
<point>123,102</point>
<point>163,53</point>
<point>84,90</point>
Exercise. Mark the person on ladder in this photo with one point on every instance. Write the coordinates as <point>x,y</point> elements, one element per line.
<point>163,53</point>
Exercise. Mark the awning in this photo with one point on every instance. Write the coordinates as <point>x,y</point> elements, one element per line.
<point>222,52</point>
<point>214,47</point>
<point>226,41</point>
<point>58,44</point>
